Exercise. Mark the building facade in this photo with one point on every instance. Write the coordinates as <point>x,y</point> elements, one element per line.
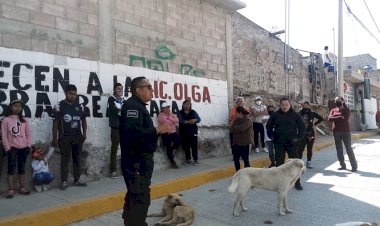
<point>202,50</point>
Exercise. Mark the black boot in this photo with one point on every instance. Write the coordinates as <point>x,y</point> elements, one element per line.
<point>298,185</point>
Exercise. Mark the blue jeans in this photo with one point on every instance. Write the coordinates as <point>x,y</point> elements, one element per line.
<point>43,178</point>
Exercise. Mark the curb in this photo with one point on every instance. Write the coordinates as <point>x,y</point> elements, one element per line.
<point>74,212</point>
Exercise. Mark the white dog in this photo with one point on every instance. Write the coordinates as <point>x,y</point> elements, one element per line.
<point>279,179</point>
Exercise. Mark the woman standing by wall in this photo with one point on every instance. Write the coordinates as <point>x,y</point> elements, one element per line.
<point>340,117</point>
<point>170,140</point>
<point>188,131</point>
<point>242,137</point>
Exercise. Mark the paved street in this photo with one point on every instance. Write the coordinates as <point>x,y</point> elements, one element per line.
<point>330,196</point>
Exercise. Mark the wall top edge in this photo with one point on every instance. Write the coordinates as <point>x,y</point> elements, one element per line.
<point>229,5</point>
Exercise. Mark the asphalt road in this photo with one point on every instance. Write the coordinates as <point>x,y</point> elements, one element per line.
<point>329,196</point>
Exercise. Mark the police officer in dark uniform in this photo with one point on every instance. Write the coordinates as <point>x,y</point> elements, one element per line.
<point>138,139</point>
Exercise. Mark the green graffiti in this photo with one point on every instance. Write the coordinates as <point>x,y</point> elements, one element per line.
<point>198,72</point>
<point>164,53</point>
<point>155,65</point>
<point>133,58</point>
<point>185,69</point>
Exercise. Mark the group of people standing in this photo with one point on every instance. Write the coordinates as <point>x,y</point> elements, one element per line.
<point>282,132</point>
<point>186,119</point>
<point>285,131</point>
<point>69,133</point>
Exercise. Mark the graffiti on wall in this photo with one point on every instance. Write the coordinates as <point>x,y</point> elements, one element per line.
<point>163,56</point>
<point>21,80</point>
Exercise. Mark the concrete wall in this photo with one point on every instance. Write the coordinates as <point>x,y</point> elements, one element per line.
<point>192,43</point>
<point>184,37</point>
<point>358,62</point>
<point>68,28</point>
<point>258,63</point>
<point>38,78</point>
<point>168,36</point>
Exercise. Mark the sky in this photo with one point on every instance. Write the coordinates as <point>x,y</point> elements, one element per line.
<point>312,24</point>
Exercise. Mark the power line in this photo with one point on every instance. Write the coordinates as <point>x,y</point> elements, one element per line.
<point>360,22</point>
<point>371,16</point>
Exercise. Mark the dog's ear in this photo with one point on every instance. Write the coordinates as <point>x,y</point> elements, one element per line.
<point>299,163</point>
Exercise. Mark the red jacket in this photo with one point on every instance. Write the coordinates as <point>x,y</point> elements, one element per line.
<point>340,118</point>
<point>378,116</point>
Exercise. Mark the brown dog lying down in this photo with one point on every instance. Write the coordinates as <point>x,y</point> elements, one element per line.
<point>280,179</point>
<point>175,211</point>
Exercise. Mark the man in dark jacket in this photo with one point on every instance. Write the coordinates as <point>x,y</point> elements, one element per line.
<point>138,143</point>
<point>286,128</point>
<point>114,104</point>
<point>308,117</point>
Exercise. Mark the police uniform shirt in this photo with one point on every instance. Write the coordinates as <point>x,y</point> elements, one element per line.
<point>69,117</point>
<point>137,131</point>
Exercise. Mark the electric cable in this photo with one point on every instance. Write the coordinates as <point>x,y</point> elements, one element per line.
<point>371,16</point>
<point>360,22</point>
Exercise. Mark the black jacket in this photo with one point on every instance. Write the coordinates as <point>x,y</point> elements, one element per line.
<point>113,112</point>
<point>308,118</point>
<point>285,127</point>
<point>188,129</point>
<point>137,132</point>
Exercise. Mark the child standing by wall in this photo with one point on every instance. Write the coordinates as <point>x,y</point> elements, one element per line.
<point>41,175</point>
<point>16,142</point>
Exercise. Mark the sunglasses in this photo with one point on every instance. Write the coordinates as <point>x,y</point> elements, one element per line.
<point>148,86</point>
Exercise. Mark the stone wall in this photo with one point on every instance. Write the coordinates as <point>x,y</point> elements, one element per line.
<point>258,64</point>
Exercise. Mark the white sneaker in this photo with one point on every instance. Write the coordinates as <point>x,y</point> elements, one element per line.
<point>257,150</point>
<point>265,150</point>
<point>38,188</point>
<point>45,187</point>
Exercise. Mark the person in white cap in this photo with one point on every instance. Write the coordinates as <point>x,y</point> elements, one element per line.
<point>170,140</point>
<point>258,111</point>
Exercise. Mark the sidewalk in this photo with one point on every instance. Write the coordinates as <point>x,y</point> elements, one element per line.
<point>57,207</point>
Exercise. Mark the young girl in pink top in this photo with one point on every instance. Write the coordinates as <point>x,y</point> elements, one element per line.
<point>171,140</point>
<point>16,143</point>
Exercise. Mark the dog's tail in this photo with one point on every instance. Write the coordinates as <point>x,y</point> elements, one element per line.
<point>235,183</point>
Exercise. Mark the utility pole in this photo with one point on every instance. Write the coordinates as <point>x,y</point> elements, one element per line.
<point>340,51</point>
